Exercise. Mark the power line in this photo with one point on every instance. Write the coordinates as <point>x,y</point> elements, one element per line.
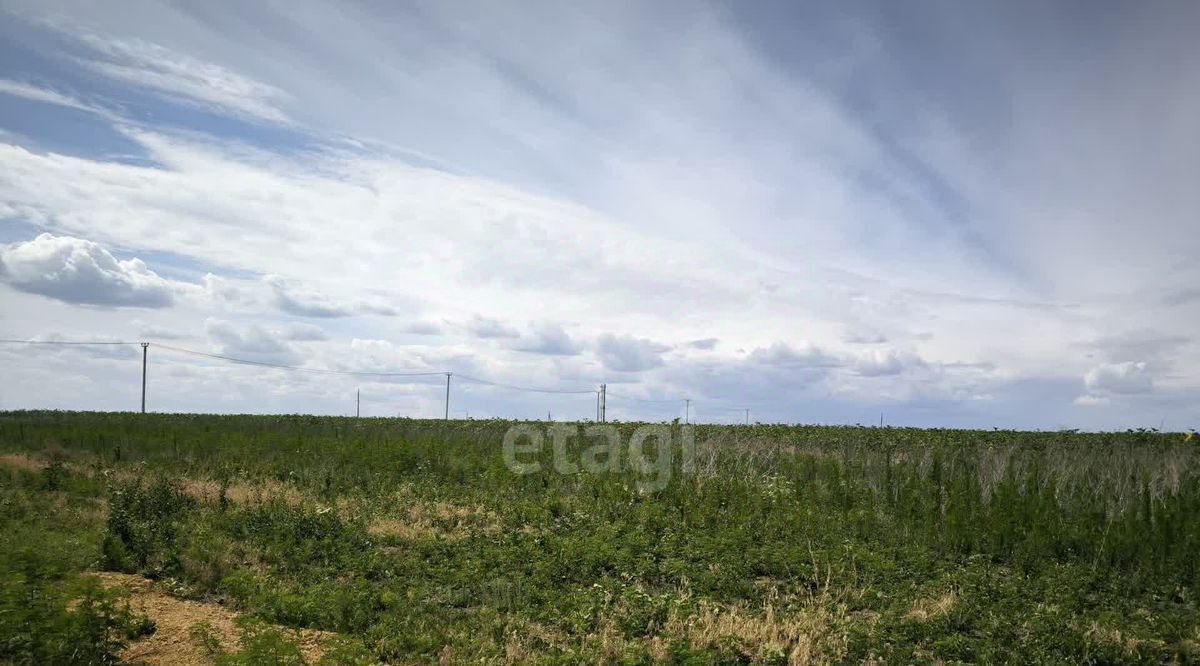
<point>64,342</point>
<point>694,401</point>
<point>601,402</point>
<point>666,400</point>
<point>525,388</point>
<point>724,409</point>
<point>280,366</point>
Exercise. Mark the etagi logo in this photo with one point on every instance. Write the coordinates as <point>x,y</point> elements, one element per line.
<point>600,450</point>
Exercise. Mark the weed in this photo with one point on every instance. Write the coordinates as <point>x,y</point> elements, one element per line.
<point>414,542</point>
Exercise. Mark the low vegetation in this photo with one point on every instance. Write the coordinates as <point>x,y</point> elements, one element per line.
<point>405,541</point>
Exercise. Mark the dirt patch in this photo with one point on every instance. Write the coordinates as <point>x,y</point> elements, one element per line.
<point>22,462</point>
<point>172,642</point>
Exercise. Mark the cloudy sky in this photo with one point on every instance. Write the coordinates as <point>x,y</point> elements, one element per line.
<point>948,213</point>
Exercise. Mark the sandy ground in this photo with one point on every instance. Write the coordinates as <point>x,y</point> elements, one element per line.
<point>172,641</point>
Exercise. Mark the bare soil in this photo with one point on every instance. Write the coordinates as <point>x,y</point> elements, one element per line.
<point>172,642</point>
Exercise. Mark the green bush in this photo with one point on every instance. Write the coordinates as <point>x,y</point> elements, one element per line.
<point>144,522</point>
<point>1058,547</point>
<point>51,622</point>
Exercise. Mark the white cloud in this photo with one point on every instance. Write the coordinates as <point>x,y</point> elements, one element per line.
<point>252,342</point>
<point>306,303</point>
<point>424,328</point>
<point>222,289</point>
<point>751,198</point>
<point>80,271</point>
<point>486,327</point>
<point>67,346</point>
<point>40,94</point>
<point>151,331</point>
<point>629,354</point>
<point>885,362</point>
<point>1121,378</point>
<point>549,339</point>
<point>179,77</point>
<point>860,336</point>
<point>805,355</point>
<point>301,332</point>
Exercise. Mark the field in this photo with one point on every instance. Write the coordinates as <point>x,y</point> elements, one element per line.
<point>407,541</point>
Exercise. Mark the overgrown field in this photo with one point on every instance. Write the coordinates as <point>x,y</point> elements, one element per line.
<point>414,543</point>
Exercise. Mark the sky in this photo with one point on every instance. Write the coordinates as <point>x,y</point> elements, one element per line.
<point>936,214</point>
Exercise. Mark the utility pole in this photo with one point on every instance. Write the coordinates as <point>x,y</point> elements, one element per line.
<point>357,402</point>
<point>603,402</point>
<point>448,395</point>
<point>687,409</point>
<point>145,346</point>
<point>597,405</point>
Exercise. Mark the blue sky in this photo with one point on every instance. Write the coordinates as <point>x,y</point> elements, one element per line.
<point>952,215</point>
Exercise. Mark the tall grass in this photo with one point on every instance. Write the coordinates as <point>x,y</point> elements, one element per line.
<point>413,538</point>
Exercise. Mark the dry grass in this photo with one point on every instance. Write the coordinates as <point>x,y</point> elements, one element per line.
<point>527,639</point>
<point>1113,637</point>
<point>22,462</point>
<point>91,511</point>
<point>245,492</point>
<point>172,642</point>
<point>747,454</point>
<point>928,608</point>
<point>442,520</point>
<point>798,630</point>
<point>205,490</point>
<point>804,636</point>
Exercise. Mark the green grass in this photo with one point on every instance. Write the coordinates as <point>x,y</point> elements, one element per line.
<point>414,542</point>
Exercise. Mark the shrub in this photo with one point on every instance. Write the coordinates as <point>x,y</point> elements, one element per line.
<point>143,527</point>
<point>41,624</point>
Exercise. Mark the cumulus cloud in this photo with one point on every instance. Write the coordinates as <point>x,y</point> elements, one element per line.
<point>303,333</point>
<point>251,342</point>
<point>1130,377</point>
<point>848,215</point>
<point>706,344</point>
<point>1150,346</point>
<point>222,289</point>
<point>113,348</point>
<point>301,302</point>
<point>783,355</point>
<point>79,271</point>
<point>549,339</point>
<point>629,354</point>
<point>157,332</point>
<point>424,328</point>
<point>374,355</point>
<point>304,304</point>
<point>860,336</point>
<point>881,362</point>
<point>486,327</point>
